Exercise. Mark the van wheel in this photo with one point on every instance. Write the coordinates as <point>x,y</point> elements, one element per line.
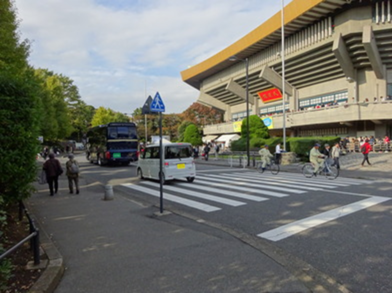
<point>140,173</point>
<point>163,179</point>
<point>190,179</point>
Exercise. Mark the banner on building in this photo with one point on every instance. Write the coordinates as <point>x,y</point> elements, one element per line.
<point>268,122</point>
<point>237,126</point>
<point>270,95</point>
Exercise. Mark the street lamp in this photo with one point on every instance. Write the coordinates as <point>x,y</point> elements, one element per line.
<point>235,58</point>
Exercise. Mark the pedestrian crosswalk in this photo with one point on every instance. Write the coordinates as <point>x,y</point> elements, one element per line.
<point>213,192</point>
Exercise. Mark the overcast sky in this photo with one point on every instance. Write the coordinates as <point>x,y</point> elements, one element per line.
<point>118,50</point>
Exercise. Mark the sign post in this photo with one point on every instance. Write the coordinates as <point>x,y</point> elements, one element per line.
<point>158,106</point>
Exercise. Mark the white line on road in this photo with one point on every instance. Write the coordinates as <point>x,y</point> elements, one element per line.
<point>226,192</point>
<point>307,223</point>
<point>260,185</point>
<point>173,198</point>
<point>188,192</point>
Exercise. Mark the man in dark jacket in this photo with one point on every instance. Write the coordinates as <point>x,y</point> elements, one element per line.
<point>53,170</point>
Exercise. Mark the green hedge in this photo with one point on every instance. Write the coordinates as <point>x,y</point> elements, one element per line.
<point>299,145</point>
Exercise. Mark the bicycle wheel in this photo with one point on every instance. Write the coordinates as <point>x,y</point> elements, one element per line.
<point>274,168</point>
<point>259,168</point>
<point>332,173</point>
<point>308,170</point>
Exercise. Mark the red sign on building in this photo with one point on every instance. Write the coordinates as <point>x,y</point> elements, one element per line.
<point>270,95</point>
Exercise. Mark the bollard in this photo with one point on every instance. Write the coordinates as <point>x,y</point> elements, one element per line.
<point>108,192</point>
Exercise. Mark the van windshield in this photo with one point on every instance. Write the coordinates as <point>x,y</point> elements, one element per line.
<point>178,151</point>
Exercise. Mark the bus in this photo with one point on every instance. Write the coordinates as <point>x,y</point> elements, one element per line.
<point>116,142</point>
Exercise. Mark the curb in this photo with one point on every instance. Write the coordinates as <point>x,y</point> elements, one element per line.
<point>54,271</point>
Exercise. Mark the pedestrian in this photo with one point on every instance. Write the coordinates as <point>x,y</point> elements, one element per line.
<point>53,170</point>
<point>72,173</point>
<point>206,150</point>
<point>335,154</point>
<point>365,149</point>
<point>278,154</point>
<point>217,147</point>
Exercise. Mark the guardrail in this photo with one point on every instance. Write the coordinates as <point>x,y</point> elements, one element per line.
<point>33,237</point>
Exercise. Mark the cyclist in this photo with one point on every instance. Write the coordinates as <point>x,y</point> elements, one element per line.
<point>265,156</point>
<point>316,158</point>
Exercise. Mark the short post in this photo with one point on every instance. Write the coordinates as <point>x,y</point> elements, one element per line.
<point>245,161</point>
<point>108,192</point>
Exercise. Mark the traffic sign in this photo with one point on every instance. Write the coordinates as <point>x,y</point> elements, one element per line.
<point>157,104</point>
<point>147,105</point>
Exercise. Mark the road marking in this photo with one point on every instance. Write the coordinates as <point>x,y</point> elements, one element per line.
<point>173,198</point>
<point>321,178</point>
<point>226,192</point>
<point>188,192</point>
<point>251,178</point>
<point>220,170</point>
<point>316,220</point>
<point>241,189</point>
<point>260,185</point>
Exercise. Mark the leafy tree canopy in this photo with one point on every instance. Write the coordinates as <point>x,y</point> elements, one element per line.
<point>105,115</point>
<point>257,129</point>
<point>192,135</point>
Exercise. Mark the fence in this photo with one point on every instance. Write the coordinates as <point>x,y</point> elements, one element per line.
<point>376,147</point>
<point>33,237</point>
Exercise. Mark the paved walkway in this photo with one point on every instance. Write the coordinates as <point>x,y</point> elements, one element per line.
<point>122,246</point>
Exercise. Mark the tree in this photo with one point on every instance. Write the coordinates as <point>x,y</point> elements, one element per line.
<point>182,128</point>
<point>202,115</point>
<point>105,115</point>
<point>192,135</point>
<point>19,112</point>
<point>257,129</point>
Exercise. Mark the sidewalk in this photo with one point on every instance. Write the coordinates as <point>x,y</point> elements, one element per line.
<point>122,246</point>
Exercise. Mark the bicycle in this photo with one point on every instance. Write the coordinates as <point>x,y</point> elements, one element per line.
<point>331,172</point>
<point>273,167</point>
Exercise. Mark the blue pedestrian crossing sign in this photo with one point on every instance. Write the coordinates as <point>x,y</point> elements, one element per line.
<point>157,104</point>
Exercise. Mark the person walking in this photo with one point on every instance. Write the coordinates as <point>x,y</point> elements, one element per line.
<point>72,173</point>
<point>278,154</point>
<point>53,170</point>
<point>365,149</point>
<point>206,151</point>
<point>335,154</point>
<point>217,147</point>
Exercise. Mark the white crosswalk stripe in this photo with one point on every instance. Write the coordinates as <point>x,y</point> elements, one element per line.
<point>189,192</point>
<point>245,186</point>
<point>260,185</point>
<point>226,192</point>
<point>174,198</point>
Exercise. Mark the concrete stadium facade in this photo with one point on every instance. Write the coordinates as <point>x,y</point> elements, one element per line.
<point>338,71</point>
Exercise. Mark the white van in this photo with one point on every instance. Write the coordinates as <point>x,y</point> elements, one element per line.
<point>178,162</point>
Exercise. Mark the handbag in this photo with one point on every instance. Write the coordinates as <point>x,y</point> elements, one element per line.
<point>42,177</point>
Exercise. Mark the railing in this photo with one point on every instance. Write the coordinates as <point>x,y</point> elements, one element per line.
<point>33,237</point>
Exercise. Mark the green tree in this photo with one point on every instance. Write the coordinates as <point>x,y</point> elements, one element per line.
<point>105,115</point>
<point>257,129</point>
<point>192,135</point>
<point>182,128</point>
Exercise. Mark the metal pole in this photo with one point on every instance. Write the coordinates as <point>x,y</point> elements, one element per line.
<point>161,155</point>
<point>283,80</point>
<point>145,127</point>
<point>247,111</point>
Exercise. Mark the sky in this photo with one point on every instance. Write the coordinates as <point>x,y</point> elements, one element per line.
<point>118,52</point>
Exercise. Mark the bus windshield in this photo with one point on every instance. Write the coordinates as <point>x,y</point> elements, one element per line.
<point>121,132</point>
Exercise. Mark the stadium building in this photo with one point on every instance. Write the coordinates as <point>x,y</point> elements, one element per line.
<point>338,72</point>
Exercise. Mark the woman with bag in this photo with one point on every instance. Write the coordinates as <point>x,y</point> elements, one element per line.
<point>72,173</point>
<point>53,170</point>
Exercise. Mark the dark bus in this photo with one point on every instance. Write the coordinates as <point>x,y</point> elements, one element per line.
<point>115,142</point>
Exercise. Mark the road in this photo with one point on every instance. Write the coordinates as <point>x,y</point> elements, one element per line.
<point>338,227</point>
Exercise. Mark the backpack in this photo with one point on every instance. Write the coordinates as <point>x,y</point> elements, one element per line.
<point>74,168</point>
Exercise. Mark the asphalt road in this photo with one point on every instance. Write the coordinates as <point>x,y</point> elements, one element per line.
<point>340,227</point>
